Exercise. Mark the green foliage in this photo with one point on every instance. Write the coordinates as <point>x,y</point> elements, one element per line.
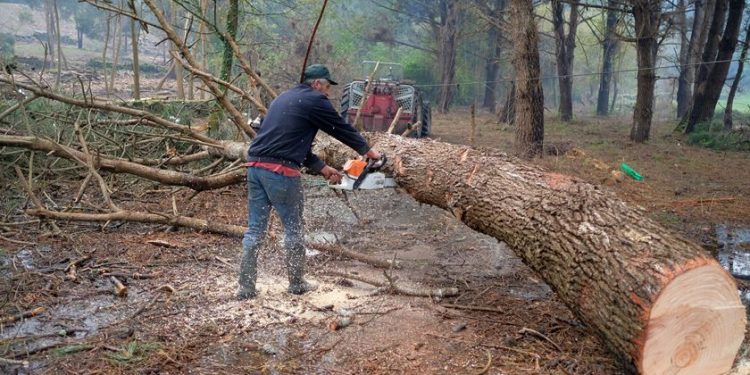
<point>134,352</point>
<point>710,135</point>
<point>70,349</point>
<point>25,17</point>
<point>7,47</point>
<point>146,68</point>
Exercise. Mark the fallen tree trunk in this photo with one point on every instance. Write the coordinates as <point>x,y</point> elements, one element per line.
<point>659,301</point>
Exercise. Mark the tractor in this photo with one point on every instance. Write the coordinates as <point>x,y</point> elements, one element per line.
<point>388,92</point>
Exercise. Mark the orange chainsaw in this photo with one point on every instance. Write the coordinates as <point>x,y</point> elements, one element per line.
<point>361,174</point>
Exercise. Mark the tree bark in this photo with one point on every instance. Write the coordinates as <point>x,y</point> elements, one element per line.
<point>134,31</point>
<point>529,102</point>
<point>736,82</point>
<point>508,111</point>
<point>565,47</point>
<point>447,45</point>
<point>656,299</point>
<point>708,92</point>
<point>609,48</point>
<point>116,51</point>
<point>179,73</point>
<point>647,14</point>
<point>232,24</point>
<point>686,70</point>
<point>491,69</point>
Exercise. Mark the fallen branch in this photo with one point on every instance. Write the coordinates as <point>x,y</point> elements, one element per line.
<point>489,362</point>
<point>397,289</point>
<point>163,176</point>
<point>338,250</point>
<point>7,361</point>
<point>120,289</point>
<point>540,335</point>
<point>23,315</point>
<point>700,201</point>
<point>473,308</point>
<point>142,217</point>
<point>135,276</point>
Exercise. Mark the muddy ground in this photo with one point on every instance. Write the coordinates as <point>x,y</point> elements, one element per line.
<point>180,314</point>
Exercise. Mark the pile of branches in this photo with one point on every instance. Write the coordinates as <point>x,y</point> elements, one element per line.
<point>88,141</point>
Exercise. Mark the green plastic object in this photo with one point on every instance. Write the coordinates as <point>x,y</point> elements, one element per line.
<point>631,172</point>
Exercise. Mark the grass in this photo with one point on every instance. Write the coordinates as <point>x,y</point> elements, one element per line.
<point>134,352</point>
<point>70,349</point>
<point>711,135</point>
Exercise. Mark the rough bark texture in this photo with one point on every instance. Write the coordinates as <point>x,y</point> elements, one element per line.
<point>707,94</point>
<point>491,68</point>
<point>449,10</point>
<point>607,262</point>
<point>646,14</point>
<point>684,90</point>
<point>565,46</point>
<point>609,48</point>
<point>736,82</point>
<point>507,113</point>
<point>529,104</point>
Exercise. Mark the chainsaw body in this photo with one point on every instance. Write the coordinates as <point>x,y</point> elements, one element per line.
<point>359,174</point>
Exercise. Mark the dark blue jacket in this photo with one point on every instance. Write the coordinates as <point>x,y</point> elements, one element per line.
<point>293,119</point>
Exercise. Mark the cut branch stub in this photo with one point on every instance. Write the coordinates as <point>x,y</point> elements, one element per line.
<point>660,302</point>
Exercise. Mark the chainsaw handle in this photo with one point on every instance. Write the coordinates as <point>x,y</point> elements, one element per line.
<point>375,164</point>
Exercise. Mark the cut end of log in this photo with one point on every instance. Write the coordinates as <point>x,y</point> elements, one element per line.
<point>696,325</point>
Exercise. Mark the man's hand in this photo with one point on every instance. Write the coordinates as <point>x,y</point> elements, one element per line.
<point>372,154</point>
<point>331,174</point>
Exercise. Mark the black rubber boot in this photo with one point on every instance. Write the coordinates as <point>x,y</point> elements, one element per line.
<point>295,264</point>
<point>248,274</point>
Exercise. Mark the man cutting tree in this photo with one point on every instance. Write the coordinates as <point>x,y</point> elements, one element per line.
<point>283,145</point>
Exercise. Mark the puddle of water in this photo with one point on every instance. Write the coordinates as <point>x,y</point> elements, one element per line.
<point>734,250</point>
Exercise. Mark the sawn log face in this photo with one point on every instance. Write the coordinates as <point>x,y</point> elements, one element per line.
<point>607,262</point>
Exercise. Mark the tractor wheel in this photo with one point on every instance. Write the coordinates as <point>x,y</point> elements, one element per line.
<point>426,130</point>
<point>344,108</point>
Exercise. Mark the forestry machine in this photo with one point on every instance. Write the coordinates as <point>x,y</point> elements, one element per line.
<point>388,92</point>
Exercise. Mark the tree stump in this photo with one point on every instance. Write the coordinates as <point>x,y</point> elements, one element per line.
<point>659,301</point>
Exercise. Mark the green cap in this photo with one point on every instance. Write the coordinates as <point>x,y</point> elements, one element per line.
<point>318,71</point>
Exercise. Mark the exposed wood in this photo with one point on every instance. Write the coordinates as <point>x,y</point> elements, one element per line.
<point>23,315</point>
<point>652,296</point>
<point>392,127</point>
<point>120,289</point>
<point>356,122</point>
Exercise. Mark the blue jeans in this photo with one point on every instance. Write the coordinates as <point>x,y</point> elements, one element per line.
<point>265,190</point>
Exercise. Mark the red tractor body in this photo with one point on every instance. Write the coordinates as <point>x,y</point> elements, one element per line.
<point>386,95</point>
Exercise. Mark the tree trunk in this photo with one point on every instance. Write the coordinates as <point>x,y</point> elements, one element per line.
<point>58,43</point>
<point>609,48</point>
<point>736,82</point>
<point>134,31</point>
<point>508,111</point>
<point>491,69</point>
<point>104,57</point>
<point>529,102</point>
<point>565,46</point>
<point>79,34</point>
<point>116,51</point>
<point>658,301</point>
<point>232,23</point>
<point>646,14</point>
<point>447,46</point>
<point>707,94</point>
<point>179,72</point>
<point>204,43</point>
<point>708,60</point>
<point>686,70</point>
